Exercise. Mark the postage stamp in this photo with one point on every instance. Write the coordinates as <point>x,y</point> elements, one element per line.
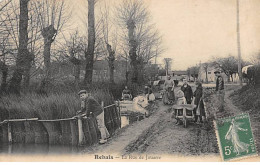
<point>235,137</point>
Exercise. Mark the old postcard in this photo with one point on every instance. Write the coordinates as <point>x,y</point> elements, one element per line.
<point>129,80</point>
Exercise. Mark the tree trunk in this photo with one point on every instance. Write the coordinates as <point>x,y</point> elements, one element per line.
<point>47,57</point>
<point>111,59</point>
<point>91,43</point>
<point>77,74</point>
<point>132,51</point>
<point>26,78</point>
<point>22,59</point>
<point>207,76</point>
<point>48,34</point>
<point>4,70</point>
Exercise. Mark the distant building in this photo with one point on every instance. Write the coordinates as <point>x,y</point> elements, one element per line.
<point>211,76</point>
<point>176,75</point>
<point>66,71</point>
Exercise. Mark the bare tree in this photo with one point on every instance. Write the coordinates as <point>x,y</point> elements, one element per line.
<point>110,40</point>
<point>52,16</point>
<point>75,47</point>
<point>205,67</point>
<point>143,40</point>
<point>194,71</point>
<point>228,65</point>
<point>167,63</point>
<point>89,54</point>
<point>23,59</point>
<point>11,29</point>
<point>130,14</point>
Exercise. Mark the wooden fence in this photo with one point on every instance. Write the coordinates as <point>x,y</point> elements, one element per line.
<point>77,130</point>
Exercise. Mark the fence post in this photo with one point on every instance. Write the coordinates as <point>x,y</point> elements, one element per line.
<point>81,134</point>
<point>119,112</point>
<point>9,132</point>
<point>102,105</point>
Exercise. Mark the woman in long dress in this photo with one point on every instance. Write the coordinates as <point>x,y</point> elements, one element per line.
<point>232,134</point>
<point>199,111</point>
<point>180,101</point>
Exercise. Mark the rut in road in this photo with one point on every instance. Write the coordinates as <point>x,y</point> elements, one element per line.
<point>164,137</point>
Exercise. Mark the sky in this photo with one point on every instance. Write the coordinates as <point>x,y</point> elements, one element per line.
<point>194,31</point>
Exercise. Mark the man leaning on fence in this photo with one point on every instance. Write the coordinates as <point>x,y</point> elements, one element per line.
<point>220,90</point>
<point>90,107</point>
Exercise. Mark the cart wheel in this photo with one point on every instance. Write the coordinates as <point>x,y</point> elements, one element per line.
<point>184,122</point>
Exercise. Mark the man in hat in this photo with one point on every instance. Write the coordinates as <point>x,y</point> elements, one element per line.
<point>91,107</point>
<point>220,90</point>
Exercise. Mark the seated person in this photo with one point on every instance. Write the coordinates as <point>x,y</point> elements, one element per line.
<point>126,94</point>
<point>149,93</point>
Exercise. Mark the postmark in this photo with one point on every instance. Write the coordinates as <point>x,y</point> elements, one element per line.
<point>235,137</point>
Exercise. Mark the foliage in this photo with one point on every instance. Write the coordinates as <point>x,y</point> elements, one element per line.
<point>53,106</point>
<point>193,71</point>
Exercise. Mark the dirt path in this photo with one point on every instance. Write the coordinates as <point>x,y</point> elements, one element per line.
<point>126,135</point>
<point>164,137</point>
<point>158,134</point>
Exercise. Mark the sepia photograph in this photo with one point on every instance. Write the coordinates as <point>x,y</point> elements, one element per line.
<point>129,80</point>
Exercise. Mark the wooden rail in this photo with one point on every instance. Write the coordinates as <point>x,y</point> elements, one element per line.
<point>77,118</point>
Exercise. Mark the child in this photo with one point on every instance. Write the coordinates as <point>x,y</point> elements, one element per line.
<point>91,107</point>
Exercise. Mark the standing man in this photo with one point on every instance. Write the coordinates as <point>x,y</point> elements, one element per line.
<point>91,107</point>
<point>186,89</point>
<point>169,87</point>
<point>220,90</point>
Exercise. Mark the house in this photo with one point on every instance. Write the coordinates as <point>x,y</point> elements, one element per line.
<point>176,75</point>
<point>203,75</point>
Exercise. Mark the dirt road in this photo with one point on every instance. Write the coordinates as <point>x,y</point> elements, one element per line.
<point>158,134</point>
<point>164,137</point>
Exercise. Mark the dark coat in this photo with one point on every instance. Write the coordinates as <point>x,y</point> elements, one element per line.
<point>220,83</point>
<point>187,93</point>
<point>148,91</point>
<point>91,105</point>
<point>199,101</point>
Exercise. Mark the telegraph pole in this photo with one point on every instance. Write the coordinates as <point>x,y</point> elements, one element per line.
<point>238,46</point>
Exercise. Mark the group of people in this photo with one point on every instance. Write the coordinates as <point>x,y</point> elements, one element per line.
<point>91,107</point>
<point>195,98</point>
<point>127,95</point>
<point>187,96</point>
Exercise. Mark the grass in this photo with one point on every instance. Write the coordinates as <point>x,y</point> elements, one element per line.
<point>247,98</point>
<point>53,106</point>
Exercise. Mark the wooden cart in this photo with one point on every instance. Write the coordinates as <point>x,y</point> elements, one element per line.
<point>184,113</point>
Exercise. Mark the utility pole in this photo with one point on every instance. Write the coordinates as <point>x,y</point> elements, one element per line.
<point>238,46</point>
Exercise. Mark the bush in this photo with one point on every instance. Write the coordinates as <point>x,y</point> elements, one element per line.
<point>247,98</point>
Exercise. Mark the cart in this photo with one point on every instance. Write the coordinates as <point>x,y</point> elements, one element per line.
<point>184,113</point>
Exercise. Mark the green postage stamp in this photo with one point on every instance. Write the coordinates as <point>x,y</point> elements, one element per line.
<point>235,137</point>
